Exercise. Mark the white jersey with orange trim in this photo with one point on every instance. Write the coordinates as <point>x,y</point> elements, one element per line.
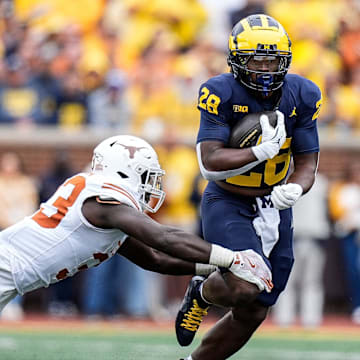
<point>57,241</point>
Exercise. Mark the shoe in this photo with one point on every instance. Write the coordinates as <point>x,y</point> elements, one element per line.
<point>191,313</point>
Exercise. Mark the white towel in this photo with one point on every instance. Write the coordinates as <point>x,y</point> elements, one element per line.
<point>267,224</point>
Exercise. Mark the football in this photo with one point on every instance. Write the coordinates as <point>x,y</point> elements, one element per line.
<point>246,131</point>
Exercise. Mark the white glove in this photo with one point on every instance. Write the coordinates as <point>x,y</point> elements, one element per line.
<point>285,196</point>
<point>250,266</point>
<point>272,138</point>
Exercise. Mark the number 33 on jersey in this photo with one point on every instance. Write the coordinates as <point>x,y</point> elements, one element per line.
<point>57,241</point>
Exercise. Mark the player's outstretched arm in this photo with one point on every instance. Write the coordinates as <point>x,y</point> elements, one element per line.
<point>170,240</point>
<point>154,260</point>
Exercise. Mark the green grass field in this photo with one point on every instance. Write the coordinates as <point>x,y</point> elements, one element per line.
<point>147,343</point>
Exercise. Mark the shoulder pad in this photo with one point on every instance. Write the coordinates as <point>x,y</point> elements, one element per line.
<point>305,90</point>
<point>310,93</point>
<point>108,190</point>
<point>220,86</point>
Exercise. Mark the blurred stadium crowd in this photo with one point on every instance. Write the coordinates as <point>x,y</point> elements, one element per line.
<point>135,66</point>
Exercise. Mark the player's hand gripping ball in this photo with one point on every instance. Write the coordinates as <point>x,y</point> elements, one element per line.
<point>245,133</point>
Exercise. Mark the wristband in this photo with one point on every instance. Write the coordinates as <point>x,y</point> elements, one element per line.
<point>220,256</point>
<point>204,269</point>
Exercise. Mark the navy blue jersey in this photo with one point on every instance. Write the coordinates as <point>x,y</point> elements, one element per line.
<point>223,101</point>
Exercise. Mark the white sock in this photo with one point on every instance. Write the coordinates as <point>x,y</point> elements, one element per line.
<point>202,297</point>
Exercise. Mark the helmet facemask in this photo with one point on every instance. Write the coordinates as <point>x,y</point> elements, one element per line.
<point>151,194</point>
<point>265,81</point>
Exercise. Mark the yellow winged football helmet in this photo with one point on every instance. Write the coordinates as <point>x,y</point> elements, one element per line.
<point>259,35</point>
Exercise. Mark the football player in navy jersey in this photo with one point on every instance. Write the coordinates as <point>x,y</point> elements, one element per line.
<point>247,203</point>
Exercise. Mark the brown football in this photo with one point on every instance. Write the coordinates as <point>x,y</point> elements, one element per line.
<point>246,131</point>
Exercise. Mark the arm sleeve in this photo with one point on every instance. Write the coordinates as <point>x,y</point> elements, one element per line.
<point>222,175</point>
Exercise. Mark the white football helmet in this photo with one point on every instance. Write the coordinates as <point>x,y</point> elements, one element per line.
<point>133,161</point>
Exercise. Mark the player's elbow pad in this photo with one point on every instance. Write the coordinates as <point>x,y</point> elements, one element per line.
<point>221,175</point>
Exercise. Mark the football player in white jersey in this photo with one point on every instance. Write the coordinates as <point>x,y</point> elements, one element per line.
<point>93,216</point>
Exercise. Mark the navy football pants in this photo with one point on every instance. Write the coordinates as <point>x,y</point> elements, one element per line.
<point>227,221</point>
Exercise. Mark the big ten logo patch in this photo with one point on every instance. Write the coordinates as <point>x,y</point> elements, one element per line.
<point>241,108</point>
